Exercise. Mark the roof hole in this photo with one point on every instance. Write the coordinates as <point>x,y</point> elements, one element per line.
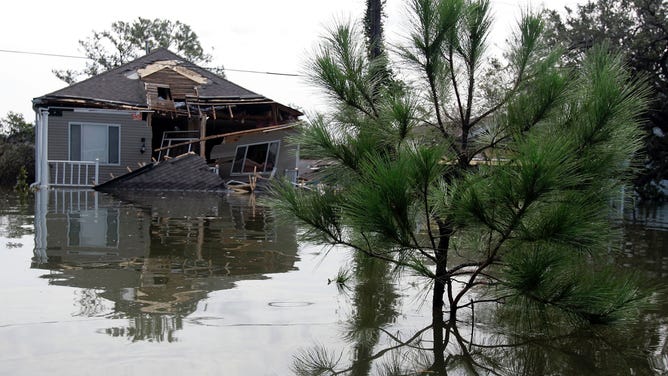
<point>164,94</point>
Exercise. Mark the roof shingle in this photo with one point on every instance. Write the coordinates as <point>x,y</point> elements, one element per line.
<point>117,85</point>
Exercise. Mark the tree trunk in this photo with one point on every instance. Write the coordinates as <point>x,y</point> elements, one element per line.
<point>438,321</point>
<point>373,27</point>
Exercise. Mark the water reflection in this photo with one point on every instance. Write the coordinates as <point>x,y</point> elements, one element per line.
<point>16,215</point>
<point>144,268</point>
<point>498,339</point>
<point>497,348</point>
<point>151,258</point>
<point>374,303</point>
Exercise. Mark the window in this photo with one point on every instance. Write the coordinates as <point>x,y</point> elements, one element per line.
<point>164,93</point>
<point>93,228</point>
<point>255,158</point>
<point>89,142</point>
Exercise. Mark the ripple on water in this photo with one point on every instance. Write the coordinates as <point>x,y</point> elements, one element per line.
<point>290,304</point>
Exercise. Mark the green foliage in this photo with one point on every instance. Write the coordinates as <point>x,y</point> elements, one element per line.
<point>319,211</point>
<point>126,41</point>
<point>341,279</point>
<point>14,127</point>
<point>530,215</point>
<point>13,158</point>
<point>22,187</point>
<point>551,279</point>
<point>317,362</point>
<point>638,30</point>
<point>17,150</point>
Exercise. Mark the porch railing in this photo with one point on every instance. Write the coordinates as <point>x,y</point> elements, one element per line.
<point>74,173</point>
<point>291,175</point>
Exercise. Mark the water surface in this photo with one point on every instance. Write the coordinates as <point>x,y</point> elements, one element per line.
<point>211,284</point>
<point>157,283</point>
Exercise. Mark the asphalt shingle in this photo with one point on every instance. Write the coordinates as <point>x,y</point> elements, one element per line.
<point>116,86</point>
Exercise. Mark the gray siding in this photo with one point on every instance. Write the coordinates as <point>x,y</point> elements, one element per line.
<point>131,133</point>
<point>223,154</point>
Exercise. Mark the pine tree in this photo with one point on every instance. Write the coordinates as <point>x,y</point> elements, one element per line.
<point>507,192</point>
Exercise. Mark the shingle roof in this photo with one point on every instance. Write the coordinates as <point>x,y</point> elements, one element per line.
<point>185,172</point>
<point>115,85</point>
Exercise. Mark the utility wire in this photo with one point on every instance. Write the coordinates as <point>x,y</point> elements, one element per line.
<point>272,73</point>
<point>42,54</point>
<point>87,58</point>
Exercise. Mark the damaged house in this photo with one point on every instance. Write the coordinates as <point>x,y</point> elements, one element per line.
<point>160,122</point>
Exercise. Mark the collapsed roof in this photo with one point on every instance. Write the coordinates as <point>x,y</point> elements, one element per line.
<point>160,81</point>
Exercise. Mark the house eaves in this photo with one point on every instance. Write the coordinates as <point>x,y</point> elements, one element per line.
<point>85,102</point>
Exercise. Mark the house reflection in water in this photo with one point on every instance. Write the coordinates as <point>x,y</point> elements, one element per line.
<point>154,256</point>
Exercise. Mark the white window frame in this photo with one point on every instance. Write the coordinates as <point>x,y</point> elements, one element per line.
<point>92,228</point>
<point>108,147</point>
<point>268,143</point>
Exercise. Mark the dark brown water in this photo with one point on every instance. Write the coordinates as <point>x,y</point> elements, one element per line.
<point>207,284</point>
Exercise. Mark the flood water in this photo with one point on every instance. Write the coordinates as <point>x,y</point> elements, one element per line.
<point>211,284</point>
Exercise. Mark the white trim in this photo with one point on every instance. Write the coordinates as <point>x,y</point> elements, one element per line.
<point>97,213</point>
<point>42,147</point>
<point>268,143</point>
<point>103,111</point>
<point>107,125</point>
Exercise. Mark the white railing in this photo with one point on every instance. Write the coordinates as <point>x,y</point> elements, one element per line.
<point>291,175</point>
<point>74,173</point>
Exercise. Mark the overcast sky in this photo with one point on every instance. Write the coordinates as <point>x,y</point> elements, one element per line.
<point>259,35</point>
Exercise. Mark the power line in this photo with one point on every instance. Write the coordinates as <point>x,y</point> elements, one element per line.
<point>272,73</point>
<point>42,54</point>
<point>87,58</point>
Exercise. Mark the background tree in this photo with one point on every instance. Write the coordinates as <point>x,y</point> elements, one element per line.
<point>432,177</point>
<point>375,44</point>
<point>638,29</point>
<point>14,125</point>
<point>17,149</point>
<point>373,27</point>
<point>126,41</point>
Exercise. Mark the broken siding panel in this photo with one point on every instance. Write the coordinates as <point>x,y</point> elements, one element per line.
<point>157,100</point>
<point>180,86</point>
<point>131,133</point>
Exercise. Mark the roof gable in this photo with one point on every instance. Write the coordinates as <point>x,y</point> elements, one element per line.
<point>125,84</point>
<point>172,65</point>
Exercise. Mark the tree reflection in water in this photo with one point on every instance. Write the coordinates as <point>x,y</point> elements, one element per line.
<point>374,301</point>
<point>497,338</point>
<point>15,216</point>
<point>506,346</point>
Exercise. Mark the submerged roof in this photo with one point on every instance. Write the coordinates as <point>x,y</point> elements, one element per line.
<point>124,85</point>
<point>187,172</point>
